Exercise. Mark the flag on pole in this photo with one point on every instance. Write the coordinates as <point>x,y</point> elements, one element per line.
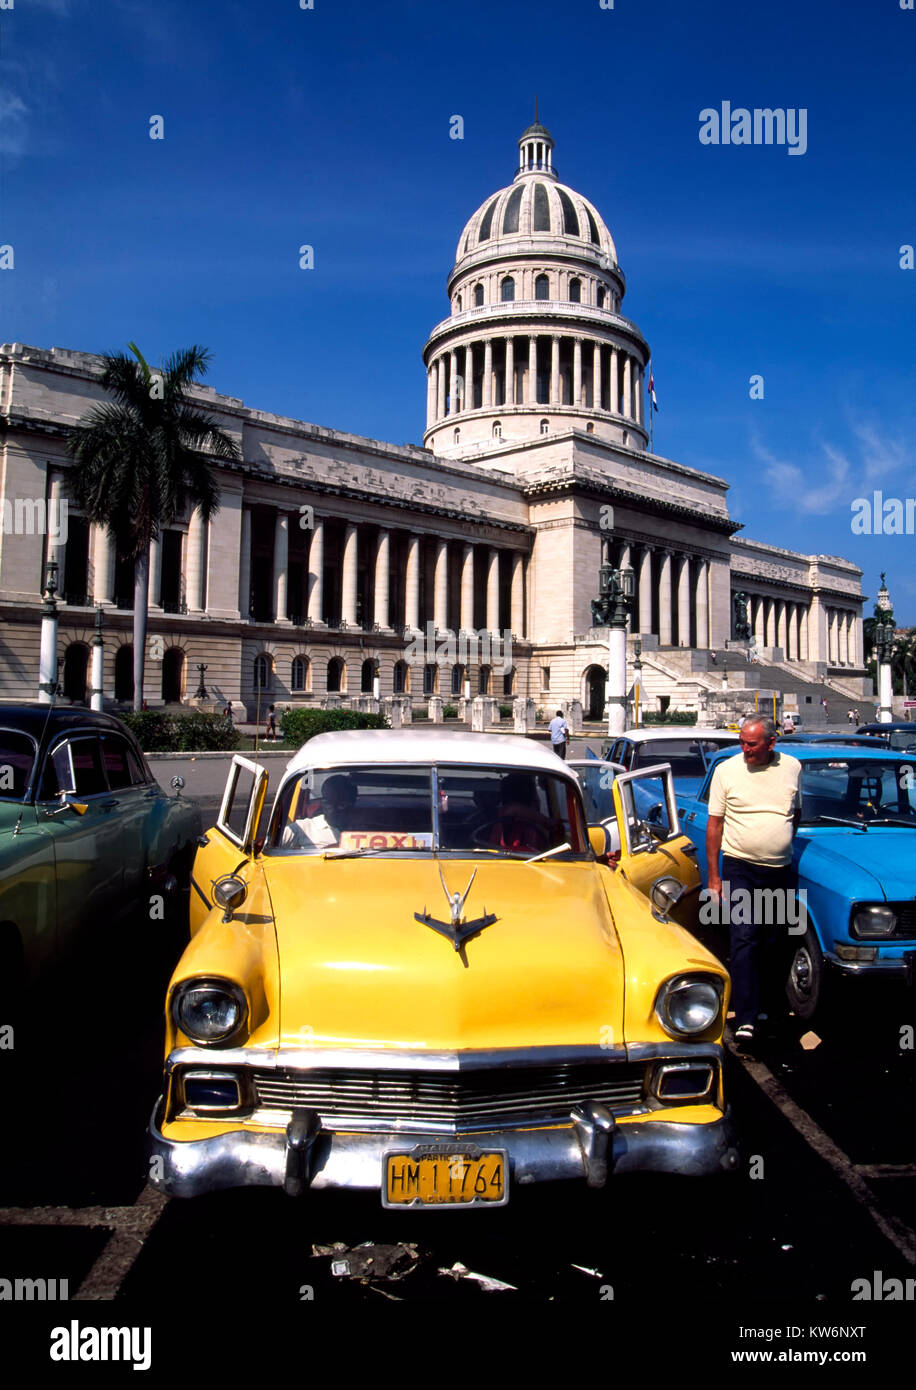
<point>652,397</point>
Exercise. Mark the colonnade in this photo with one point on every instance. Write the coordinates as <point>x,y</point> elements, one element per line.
<point>843,638</point>
<point>504,370</point>
<point>672,593</point>
<point>789,625</point>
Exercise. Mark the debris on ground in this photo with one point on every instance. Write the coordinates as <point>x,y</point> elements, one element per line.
<point>368,1261</point>
<point>488,1284</point>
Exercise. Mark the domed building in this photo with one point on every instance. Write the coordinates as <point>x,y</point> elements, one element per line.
<point>535,341</point>
<point>343,570</point>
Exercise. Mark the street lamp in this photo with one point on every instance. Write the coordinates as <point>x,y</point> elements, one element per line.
<point>97,693</point>
<point>884,634</point>
<point>616,590</point>
<point>637,679</point>
<point>47,660</point>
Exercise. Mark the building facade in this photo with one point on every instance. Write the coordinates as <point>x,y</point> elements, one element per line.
<point>338,566</point>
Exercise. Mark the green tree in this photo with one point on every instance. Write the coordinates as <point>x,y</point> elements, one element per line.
<point>142,457</point>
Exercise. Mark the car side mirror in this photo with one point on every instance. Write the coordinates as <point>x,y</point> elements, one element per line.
<point>67,803</point>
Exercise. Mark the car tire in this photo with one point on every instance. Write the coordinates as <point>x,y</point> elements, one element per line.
<point>805,982</point>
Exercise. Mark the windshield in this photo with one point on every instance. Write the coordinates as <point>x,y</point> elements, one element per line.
<point>17,758</point>
<point>904,740</point>
<point>859,791</point>
<point>686,756</point>
<point>390,810</point>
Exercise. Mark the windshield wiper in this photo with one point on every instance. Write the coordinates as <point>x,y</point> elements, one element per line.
<point>895,820</point>
<point>387,849</point>
<point>838,820</point>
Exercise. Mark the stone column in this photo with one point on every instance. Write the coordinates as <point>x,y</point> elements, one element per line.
<point>596,376</point>
<point>245,565</point>
<point>440,587</point>
<point>493,591</point>
<point>760,621</point>
<point>803,635</point>
<point>614,402</point>
<point>488,373</point>
<point>790,634</point>
<point>467,589</point>
<point>467,390</point>
<point>510,371</point>
<point>412,585</point>
<point>316,574</point>
<point>555,370</point>
<point>664,600</point>
<point>844,638</point>
<point>532,392</point>
<point>197,561</point>
<point>637,393</point>
<point>154,590</point>
<point>645,591</point>
<point>452,378</point>
<point>782,636</point>
<point>627,385</point>
<point>517,613</point>
<point>348,587</point>
<point>577,372</point>
<point>382,567</point>
<point>440,387</point>
<point>431,394</point>
<point>56,527</point>
<point>701,601</point>
<point>683,602</point>
<point>625,560</point>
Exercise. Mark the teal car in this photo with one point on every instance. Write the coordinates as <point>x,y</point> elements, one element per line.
<point>87,837</point>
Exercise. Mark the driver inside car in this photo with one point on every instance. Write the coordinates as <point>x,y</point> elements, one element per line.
<point>519,826</point>
<point>328,817</point>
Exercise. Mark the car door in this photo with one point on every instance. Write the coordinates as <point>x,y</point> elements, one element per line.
<point>231,841</point>
<point>596,778</point>
<point>652,845</point>
<point>134,803</point>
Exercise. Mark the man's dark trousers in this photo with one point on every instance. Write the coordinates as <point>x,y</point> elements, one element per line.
<point>760,951</point>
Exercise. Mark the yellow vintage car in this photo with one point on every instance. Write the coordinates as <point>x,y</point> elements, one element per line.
<point>430,977</point>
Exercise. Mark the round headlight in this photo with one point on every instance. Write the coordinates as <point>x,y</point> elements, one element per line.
<point>689,1005</point>
<point>210,1011</point>
<point>665,894</point>
<point>874,921</point>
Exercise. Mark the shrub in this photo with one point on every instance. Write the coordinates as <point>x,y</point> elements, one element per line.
<point>299,725</point>
<point>678,716</point>
<point>158,732</point>
<point>449,712</point>
<point>505,711</point>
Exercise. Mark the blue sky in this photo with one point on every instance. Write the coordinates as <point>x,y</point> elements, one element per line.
<point>330,127</point>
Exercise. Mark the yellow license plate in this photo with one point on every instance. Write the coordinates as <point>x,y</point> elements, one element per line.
<point>446,1177</point>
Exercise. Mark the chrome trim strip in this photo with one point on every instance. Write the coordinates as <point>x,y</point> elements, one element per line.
<point>379,1059</point>
<point>692,1052</point>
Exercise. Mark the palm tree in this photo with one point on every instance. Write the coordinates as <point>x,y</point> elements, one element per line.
<point>141,458</point>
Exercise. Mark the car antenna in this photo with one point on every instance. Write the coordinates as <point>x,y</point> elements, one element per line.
<point>17,829</point>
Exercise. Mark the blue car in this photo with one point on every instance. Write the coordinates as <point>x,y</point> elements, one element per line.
<point>855,852</point>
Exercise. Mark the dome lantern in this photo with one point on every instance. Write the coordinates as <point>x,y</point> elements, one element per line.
<point>536,152</point>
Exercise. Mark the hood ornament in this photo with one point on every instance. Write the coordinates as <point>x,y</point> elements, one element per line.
<point>456,931</point>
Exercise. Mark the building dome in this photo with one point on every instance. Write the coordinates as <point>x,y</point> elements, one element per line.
<point>535,322</point>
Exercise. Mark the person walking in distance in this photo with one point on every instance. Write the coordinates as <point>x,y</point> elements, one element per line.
<point>271,731</point>
<point>559,734</point>
<point>754,811</point>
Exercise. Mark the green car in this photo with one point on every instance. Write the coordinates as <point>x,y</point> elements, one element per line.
<point>88,838</point>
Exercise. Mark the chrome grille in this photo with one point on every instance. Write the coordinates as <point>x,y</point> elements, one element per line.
<point>906,919</point>
<point>457,1102</point>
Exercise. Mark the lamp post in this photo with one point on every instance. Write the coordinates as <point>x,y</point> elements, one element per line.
<point>616,590</point>
<point>637,680</point>
<point>47,660</point>
<point>885,629</point>
<point>201,692</point>
<point>96,693</point>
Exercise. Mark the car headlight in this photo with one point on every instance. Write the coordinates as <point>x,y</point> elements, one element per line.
<point>874,921</point>
<point>689,1004</point>
<point>210,1012</point>
<point>665,894</point>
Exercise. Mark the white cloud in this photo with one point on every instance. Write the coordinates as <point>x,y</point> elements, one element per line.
<point>13,112</point>
<point>829,479</point>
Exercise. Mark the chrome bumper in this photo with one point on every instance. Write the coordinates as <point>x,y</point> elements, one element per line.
<point>305,1156</point>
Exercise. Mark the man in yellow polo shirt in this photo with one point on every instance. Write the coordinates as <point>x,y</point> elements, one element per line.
<point>754,810</point>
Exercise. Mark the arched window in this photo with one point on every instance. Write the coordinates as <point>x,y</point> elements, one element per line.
<point>570,220</point>
<point>401,678</point>
<point>430,679</point>
<point>483,679</point>
<point>509,681</point>
<point>541,209</point>
<point>458,304</point>
<point>601,296</point>
<point>457,680</point>
<point>76,662</point>
<point>507,290</point>
<point>510,220</point>
<point>575,291</point>
<point>542,287</point>
<point>124,672</point>
<point>497,430</point>
<point>367,676</point>
<point>299,674</point>
<point>590,428</point>
<point>337,675</point>
<point>592,229</point>
<point>545,427</point>
<point>173,668</point>
<point>263,672</point>
<point>484,234</point>
<point>478,296</point>
<point>456,436</point>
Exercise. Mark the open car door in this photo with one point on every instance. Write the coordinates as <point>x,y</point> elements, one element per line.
<point>231,843</point>
<point>652,847</point>
<point>596,778</point>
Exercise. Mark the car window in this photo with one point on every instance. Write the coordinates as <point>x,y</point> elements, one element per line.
<point>714,745</point>
<point>17,758</point>
<point>116,761</point>
<point>858,790</point>
<point>683,754</point>
<point>89,774</point>
<point>904,740</point>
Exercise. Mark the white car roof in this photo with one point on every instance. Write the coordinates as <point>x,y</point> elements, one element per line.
<point>640,735</point>
<point>425,746</point>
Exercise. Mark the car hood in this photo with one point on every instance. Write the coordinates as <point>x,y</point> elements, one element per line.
<point>357,968</point>
<point>876,863</point>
